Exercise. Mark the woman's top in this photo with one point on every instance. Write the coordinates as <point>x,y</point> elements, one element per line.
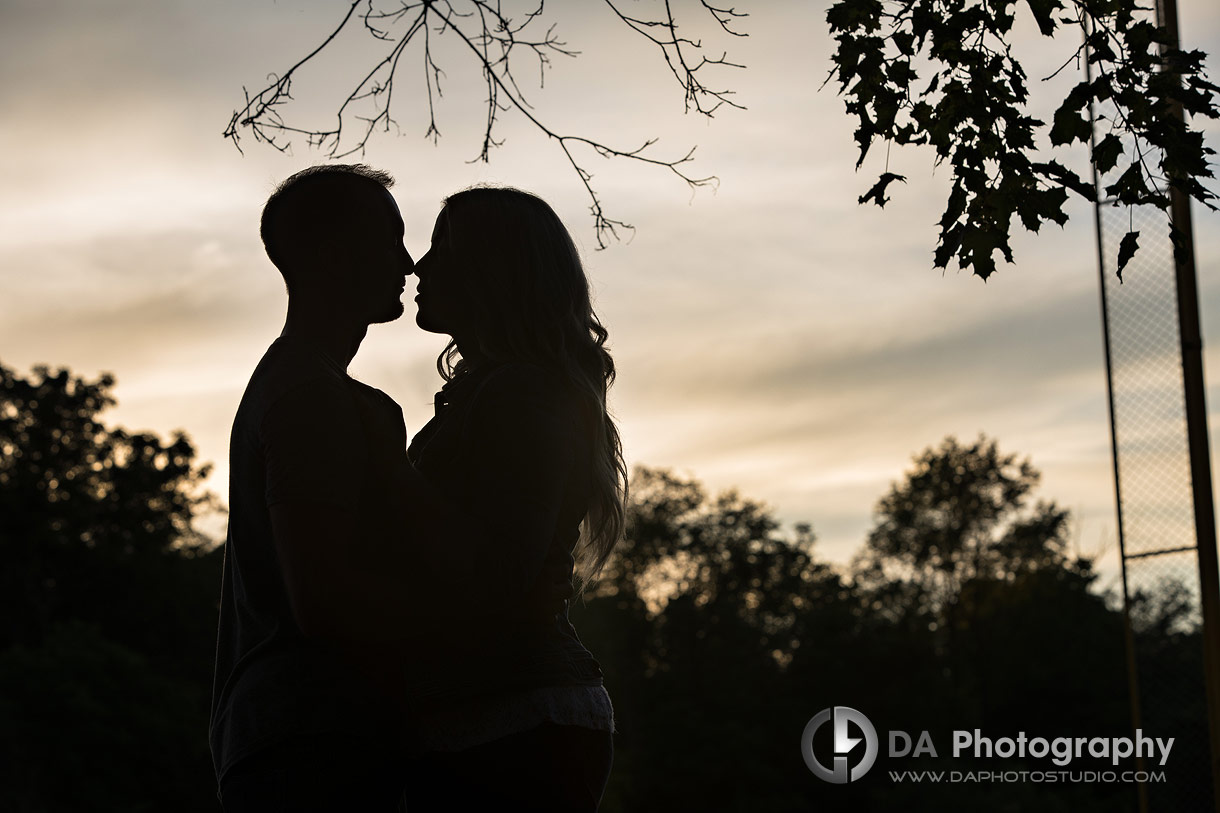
<point>509,445</point>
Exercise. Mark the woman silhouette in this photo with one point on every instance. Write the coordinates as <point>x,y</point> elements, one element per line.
<point>516,717</point>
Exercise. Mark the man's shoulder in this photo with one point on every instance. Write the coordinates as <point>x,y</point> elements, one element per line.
<point>374,395</point>
<point>291,372</point>
<point>293,361</point>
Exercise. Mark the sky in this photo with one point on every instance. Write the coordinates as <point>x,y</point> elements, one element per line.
<point>771,335</point>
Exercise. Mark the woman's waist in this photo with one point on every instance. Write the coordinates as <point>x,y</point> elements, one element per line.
<point>525,655</point>
<point>454,724</point>
<point>466,636</point>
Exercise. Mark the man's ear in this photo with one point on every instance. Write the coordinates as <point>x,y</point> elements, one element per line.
<point>318,264</point>
<point>331,251</point>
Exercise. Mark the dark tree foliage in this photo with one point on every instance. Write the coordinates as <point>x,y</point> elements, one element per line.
<point>720,637</point>
<point>109,606</point>
<point>494,36</point>
<point>957,553</point>
<point>1169,648</point>
<point>711,603</point>
<point>960,517</point>
<point>972,106</point>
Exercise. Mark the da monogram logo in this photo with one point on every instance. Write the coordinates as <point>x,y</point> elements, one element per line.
<point>844,744</point>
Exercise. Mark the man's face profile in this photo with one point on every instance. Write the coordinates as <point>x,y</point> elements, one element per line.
<point>378,261</point>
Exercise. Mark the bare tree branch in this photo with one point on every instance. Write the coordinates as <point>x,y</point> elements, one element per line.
<point>679,52</point>
<point>491,35</point>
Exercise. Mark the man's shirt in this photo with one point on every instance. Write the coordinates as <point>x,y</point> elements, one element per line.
<point>305,432</point>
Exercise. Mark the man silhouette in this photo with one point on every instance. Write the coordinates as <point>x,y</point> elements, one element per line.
<point>319,592</point>
<point>293,724</point>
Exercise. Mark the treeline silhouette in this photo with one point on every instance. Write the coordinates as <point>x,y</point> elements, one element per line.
<point>720,634</point>
<point>109,607</point>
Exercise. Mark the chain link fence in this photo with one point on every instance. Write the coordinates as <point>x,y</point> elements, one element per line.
<point>1156,516</point>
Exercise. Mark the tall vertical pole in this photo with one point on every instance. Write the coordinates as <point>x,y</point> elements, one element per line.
<point>1196,427</point>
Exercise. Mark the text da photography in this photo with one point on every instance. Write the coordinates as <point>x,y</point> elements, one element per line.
<point>849,747</point>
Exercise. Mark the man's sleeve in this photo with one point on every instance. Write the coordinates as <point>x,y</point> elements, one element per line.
<point>313,446</point>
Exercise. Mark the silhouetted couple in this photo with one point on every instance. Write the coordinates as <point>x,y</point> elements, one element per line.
<point>393,621</point>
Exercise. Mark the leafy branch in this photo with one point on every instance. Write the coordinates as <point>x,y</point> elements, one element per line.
<point>491,34</point>
<point>973,111</point>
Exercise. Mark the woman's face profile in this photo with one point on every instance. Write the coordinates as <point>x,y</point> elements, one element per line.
<point>442,303</point>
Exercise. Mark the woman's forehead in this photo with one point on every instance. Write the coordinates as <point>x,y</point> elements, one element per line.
<point>442,225</point>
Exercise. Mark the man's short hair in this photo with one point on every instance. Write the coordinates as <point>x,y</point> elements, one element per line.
<point>311,207</point>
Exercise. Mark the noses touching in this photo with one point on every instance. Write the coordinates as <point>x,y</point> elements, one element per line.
<point>407,268</point>
<point>420,271</point>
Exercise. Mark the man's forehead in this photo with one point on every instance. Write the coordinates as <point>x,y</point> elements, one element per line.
<point>377,207</point>
<point>393,206</point>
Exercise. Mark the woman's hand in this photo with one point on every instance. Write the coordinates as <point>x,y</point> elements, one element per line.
<point>551,592</point>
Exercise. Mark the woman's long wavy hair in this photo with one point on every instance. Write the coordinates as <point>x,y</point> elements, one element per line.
<point>525,281</point>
